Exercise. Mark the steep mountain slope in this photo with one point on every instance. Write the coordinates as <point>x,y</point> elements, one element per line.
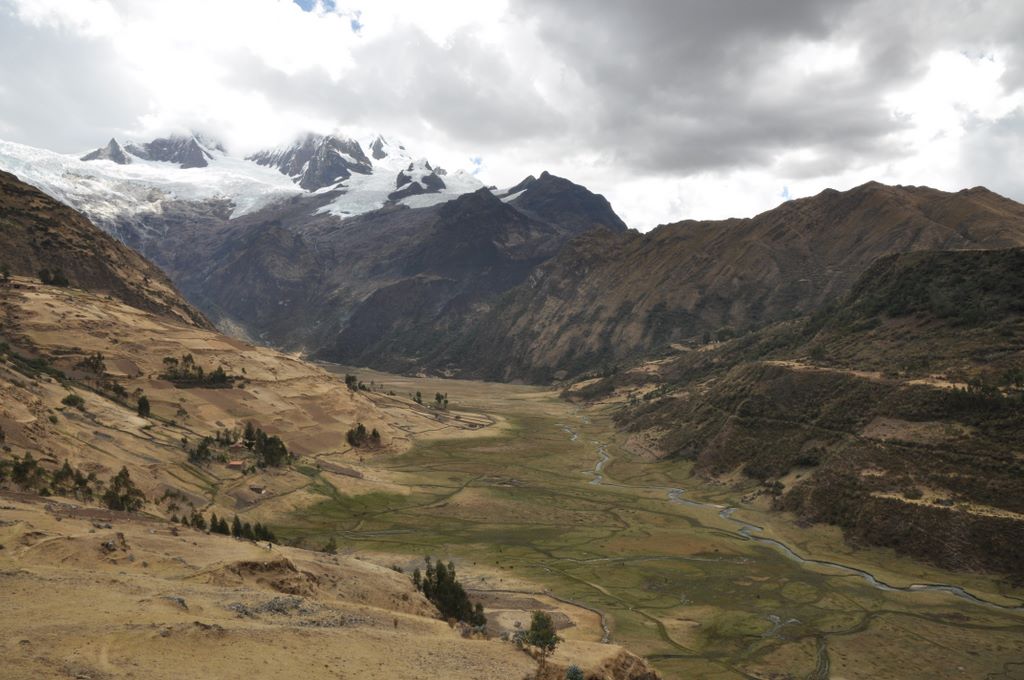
<point>74,368</point>
<point>896,414</point>
<point>387,287</point>
<point>37,232</point>
<point>607,297</point>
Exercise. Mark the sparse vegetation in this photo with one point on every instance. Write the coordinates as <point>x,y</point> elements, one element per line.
<point>55,277</point>
<point>187,373</point>
<point>94,363</point>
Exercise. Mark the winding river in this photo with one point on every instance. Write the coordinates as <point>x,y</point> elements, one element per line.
<point>747,531</point>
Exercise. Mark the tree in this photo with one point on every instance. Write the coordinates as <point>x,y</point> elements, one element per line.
<point>123,494</point>
<point>201,454</point>
<point>419,397</point>
<point>440,585</point>
<point>143,406</point>
<point>542,635</point>
<point>274,452</point>
<point>574,672</point>
<point>5,273</point>
<point>74,401</point>
<point>351,382</point>
<point>236,527</point>
<point>45,277</point>
<point>198,521</point>
<point>356,436</point>
<point>249,436</point>
<point>94,363</point>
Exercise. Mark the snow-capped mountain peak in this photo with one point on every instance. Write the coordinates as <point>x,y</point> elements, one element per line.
<point>317,161</point>
<point>120,184</point>
<point>113,151</point>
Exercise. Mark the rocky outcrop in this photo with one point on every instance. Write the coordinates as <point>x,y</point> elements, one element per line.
<point>113,151</point>
<point>317,161</point>
<point>186,151</point>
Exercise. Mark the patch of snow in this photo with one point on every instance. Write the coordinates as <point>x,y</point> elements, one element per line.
<point>512,197</point>
<point>104,189</point>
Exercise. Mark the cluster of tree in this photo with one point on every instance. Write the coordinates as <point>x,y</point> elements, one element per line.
<point>74,401</point>
<point>122,494</point>
<point>219,525</point>
<point>353,383</point>
<point>70,482</point>
<point>94,363</point>
<point>227,437</point>
<point>53,278</point>
<point>418,398</point>
<point>441,400</point>
<point>187,373</point>
<point>202,453</point>
<point>27,474</point>
<point>439,584</point>
<point>270,451</point>
<point>359,437</point>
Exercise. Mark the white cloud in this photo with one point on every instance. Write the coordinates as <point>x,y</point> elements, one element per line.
<point>676,109</point>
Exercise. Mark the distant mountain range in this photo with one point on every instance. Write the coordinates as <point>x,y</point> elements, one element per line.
<point>858,353</point>
<point>609,298</point>
<point>359,252</point>
<point>348,251</point>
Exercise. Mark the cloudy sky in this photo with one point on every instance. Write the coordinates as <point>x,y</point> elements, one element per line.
<point>671,108</point>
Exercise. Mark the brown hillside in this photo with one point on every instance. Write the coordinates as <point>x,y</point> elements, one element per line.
<point>607,296</point>
<point>897,414</point>
<point>39,232</point>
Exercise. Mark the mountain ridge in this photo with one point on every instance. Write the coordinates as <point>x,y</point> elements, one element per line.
<point>41,233</point>
<point>687,280</point>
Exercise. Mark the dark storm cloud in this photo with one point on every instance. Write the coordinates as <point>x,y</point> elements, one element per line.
<point>463,89</point>
<point>680,85</point>
<point>653,89</point>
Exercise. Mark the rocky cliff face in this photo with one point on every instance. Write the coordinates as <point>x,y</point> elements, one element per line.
<point>610,296</point>
<point>317,161</point>
<point>388,288</point>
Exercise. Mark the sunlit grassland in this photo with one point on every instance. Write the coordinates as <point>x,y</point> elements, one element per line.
<point>677,583</point>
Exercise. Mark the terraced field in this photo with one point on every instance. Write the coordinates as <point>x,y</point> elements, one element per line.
<point>546,500</point>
